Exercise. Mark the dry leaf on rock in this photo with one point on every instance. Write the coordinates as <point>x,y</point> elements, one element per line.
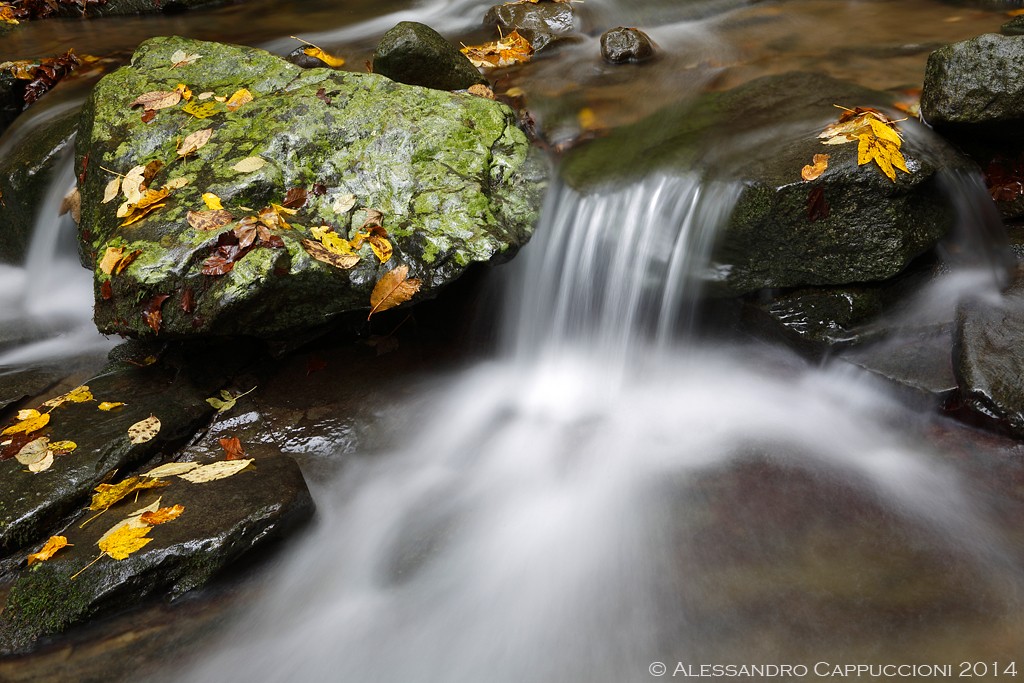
<point>343,203</point>
<point>222,469</point>
<point>49,549</point>
<point>144,430</point>
<point>392,289</point>
<point>42,465</point>
<point>111,190</point>
<point>157,99</point>
<point>321,253</point>
<point>171,469</point>
<point>194,142</point>
<point>181,58</point>
<point>250,164</point>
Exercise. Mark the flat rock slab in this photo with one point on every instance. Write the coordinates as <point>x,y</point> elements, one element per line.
<point>221,521</point>
<point>32,503</point>
<point>453,176</point>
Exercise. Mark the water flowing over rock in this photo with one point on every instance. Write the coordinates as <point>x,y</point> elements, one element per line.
<point>850,225</point>
<point>453,177</point>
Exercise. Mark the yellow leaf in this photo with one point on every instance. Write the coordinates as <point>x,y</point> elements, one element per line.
<point>381,247</point>
<point>108,494</point>
<point>33,451</point>
<point>324,255</point>
<point>42,465</point>
<point>28,426</point>
<point>212,201</point>
<point>107,406</point>
<point>511,49</point>
<point>28,414</point>
<point>131,185</point>
<point>63,447</point>
<point>176,183</point>
<point>125,541</point>
<point>883,153</point>
<point>7,14</point>
<point>110,258</point>
<point>171,469</point>
<point>162,515</point>
<point>811,172</point>
<point>194,142</point>
<point>221,469</point>
<point>392,289</point>
<point>328,59</point>
<point>884,131</point>
<point>79,394</point>
<point>144,430</point>
<point>249,164</point>
<point>186,94</point>
<point>49,549</point>
<point>240,97</point>
<point>132,519</point>
<point>200,110</point>
<point>227,400</point>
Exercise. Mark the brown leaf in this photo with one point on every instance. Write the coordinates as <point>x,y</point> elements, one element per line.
<point>209,220</point>
<point>481,90</point>
<point>233,448</point>
<point>151,312</point>
<point>157,99</point>
<point>126,260</point>
<point>106,290</point>
<point>217,265</point>
<point>812,172</point>
<point>295,198</point>
<point>323,254</point>
<point>148,115</point>
<point>188,302</point>
<point>321,95</point>
<point>246,234</point>
<point>392,289</point>
<point>162,516</point>
<point>319,189</point>
<point>194,142</point>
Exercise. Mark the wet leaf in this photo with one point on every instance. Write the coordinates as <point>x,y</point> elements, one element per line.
<point>221,469</point>
<point>392,289</point>
<point>232,448</point>
<point>200,110</point>
<point>49,549</point>
<point>883,153</point>
<point>212,201</point>
<point>147,203</point>
<point>122,543</point>
<point>157,99</point>
<point>194,142</point>
<point>295,198</point>
<point>186,93</point>
<point>132,186</point>
<point>162,516</point>
<point>509,50</point>
<point>26,426</point>
<point>63,447</point>
<point>813,171</point>
<point>112,189</point>
<point>250,164</point>
<point>110,258</point>
<point>181,58</point>
<point>227,400</point>
<point>171,469</point>
<point>108,494</point>
<point>272,217</point>
<point>153,316</point>
<point>133,519</point>
<point>481,90</point>
<point>218,265</point>
<point>33,451</point>
<point>176,183</point>
<point>876,136</point>
<point>239,98</point>
<point>144,430</point>
<point>344,203</point>
<point>106,291</point>
<point>42,465</point>
<point>209,220</point>
<point>321,253</point>
<point>328,59</point>
<point>107,406</point>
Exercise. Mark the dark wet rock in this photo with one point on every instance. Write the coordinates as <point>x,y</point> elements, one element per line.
<point>918,360</point>
<point>622,44</point>
<point>989,358</point>
<point>299,58</point>
<point>1014,27</point>
<point>851,225</point>
<point>12,102</point>
<point>222,521</point>
<point>416,54</point>
<point>29,155</point>
<point>112,8</point>
<point>31,504</point>
<point>976,88</point>
<point>454,177</point>
<point>541,23</point>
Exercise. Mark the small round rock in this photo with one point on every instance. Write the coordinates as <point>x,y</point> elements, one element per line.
<point>622,44</point>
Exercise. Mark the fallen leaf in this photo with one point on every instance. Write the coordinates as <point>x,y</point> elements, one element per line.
<point>153,316</point>
<point>27,426</point>
<point>148,116</point>
<point>107,406</point>
<point>162,516</point>
<point>28,413</point>
<point>63,447</point>
<point>249,164</point>
<point>194,142</point>
<point>111,190</point>
<point>876,136</point>
<point>209,220</point>
<point>221,469</point>
<point>392,289</point>
<point>108,494</point>
<point>144,430</point>
<point>343,203</point>
<point>72,203</point>
<point>205,95</point>
<point>883,153</point>
<point>127,259</point>
<point>122,543</point>
<point>176,183</point>
<point>212,201</point>
<point>186,93</point>
<point>49,549</point>
<point>227,400</point>
<point>42,465</point>
<point>240,97</point>
<point>110,258</point>
<point>811,172</point>
<point>171,469</point>
<point>133,519</point>
<point>157,99</point>
<point>481,90</point>
<point>181,58</point>
<point>33,451</point>
<point>200,109</point>
<point>509,50</point>
<point>232,448</point>
<point>132,185</point>
<point>295,198</point>
<point>187,300</point>
<point>106,290</point>
<point>148,202</point>
<point>321,253</point>
<point>328,59</point>
<point>321,95</point>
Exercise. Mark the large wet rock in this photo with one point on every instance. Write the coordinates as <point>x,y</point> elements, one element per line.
<point>12,92</point>
<point>452,174</point>
<point>976,87</point>
<point>622,44</point>
<point>416,54</point>
<point>221,521</point>
<point>989,358</point>
<point>541,23</point>
<point>851,225</point>
<point>29,155</point>
<point>32,503</point>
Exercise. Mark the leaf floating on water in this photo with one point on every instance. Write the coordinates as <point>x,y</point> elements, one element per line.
<point>32,423</point>
<point>814,170</point>
<point>195,142</point>
<point>162,516</point>
<point>109,494</point>
<point>509,50</point>
<point>239,98</point>
<point>171,469</point>
<point>49,549</point>
<point>392,289</point>
<point>107,406</point>
<point>126,540</point>
<point>144,430</point>
<point>221,469</point>
<point>250,164</point>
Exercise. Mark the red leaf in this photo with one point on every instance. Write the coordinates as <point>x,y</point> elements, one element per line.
<point>188,300</point>
<point>106,290</point>
<point>151,313</point>
<point>319,189</point>
<point>233,448</point>
<point>321,95</point>
<point>148,115</point>
<point>217,265</point>
<point>295,199</point>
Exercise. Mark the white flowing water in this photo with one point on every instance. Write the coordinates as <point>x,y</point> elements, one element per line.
<point>534,525</point>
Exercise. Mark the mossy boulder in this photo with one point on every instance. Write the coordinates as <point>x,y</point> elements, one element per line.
<point>221,521</point>
<point>415,54</point>
<point>453,176</point>
<point>850,225</point>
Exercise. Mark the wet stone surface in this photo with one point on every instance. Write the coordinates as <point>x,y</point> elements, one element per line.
<point>621,45</point>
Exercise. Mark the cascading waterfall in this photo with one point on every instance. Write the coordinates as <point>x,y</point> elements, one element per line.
<point>540,525</point>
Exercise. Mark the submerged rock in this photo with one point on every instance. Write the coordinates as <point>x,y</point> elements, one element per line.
<point>976,87</point>
<point>416,54</point>
<point>541,23</point>
<point>453,177</point>
<point>850,225</point>
<point>622,44</point>
<point>219,521</point>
